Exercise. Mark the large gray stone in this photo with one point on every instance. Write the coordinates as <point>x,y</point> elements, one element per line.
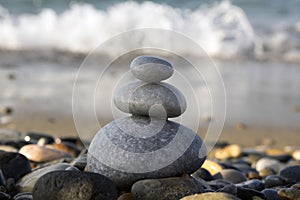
<point>76,185</point>
<point>151,69</point>
<point>159,100</point>
<point>134,148</point>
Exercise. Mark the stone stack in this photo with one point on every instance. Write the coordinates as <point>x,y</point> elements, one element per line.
<point>146,145</point>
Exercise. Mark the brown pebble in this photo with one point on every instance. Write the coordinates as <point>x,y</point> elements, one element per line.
<point>211,196</point>
<point>292,193</point>
<point>230,151</point>
<point>266,172</point>
<point>125,196</point>
<point>212,167</point>
<point>38,153</point>
<point>240,126</point>
<point>253,175</point>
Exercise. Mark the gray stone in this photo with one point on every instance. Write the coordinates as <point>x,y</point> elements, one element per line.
<point>230,189</point>
<point>23,196</point>
<point>160,100</point>
<point>14,165</point>
<point>151,69</point>
<point>292,173</point>
<point>270,194</point>
<point>168,188</point>
<point>219,184</point>
<point>77,185</point>
<point>254,184</point>
<point>134,148</point>
<point>26,183</point>
<point>274,180</point>
<point>203,174</point>
<point>231,175</point>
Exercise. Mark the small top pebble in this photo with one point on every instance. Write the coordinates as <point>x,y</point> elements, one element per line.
<point>151,69</point>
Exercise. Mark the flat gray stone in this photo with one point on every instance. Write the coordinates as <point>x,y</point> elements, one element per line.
<point>150,99</point>
<point>134,148</point>
<point>151,69</point>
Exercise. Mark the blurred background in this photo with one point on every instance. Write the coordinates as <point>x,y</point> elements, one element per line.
<point>254,43</point>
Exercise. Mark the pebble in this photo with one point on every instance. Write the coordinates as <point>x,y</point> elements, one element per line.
<point>270,194</point>
<point>230,189</point>
<point>292,193</point>
<point>8,148</point>
<point>212,167</point>
<point>203,174</point>
<point>168,188</point>
<point>151,69</point>
<point>159,100</point>
<point>14,165</point>
<point>274,180</point>
<point>219,184</point>
<point>23,196</point>
<point>126,196</point>
<point>291,173</point>
<point>231,175</point>
<point>266,172</point>
<point>39,154</point>
<point>296,154</point>
<point>77,185</point>
<point>26,183</point>
<point>189,159</point>
<point>249,194</point>
<point>66,147</point>
<point>211,196</point>
<point>230,151</point>
<point>253,184</point>
<point>267,163</point>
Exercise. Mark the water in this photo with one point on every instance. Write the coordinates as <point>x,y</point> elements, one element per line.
<point>255,44</point>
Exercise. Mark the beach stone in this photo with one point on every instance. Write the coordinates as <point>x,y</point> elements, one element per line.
<point>8,148</point>
<point>230,151</point>
<point>253,175</point>
<point>212,167</point>
<point>254,184</point>
<point>211,196</point>
<point>267,163</point>
<point>77,185</point>
<point>270,194</point>
<point>23,196</point>
<point>150,99</point>
<point>126,196</point>
<point>14,165</point>
<point>203,174</point>
<point>66,147</point>
<point>219,184</point>
<point>266,172</point>
<point>291,173</point>
<point>249,194</point>
<point>274,180</point>
<point>4,196</point>
<point>230,189</point>
<point>159,155</point>
<point>151,69</point>
<point>168,188</point>
<point>296,154</point>
<point>292,193</point>
<point>231,175</point>
<point>38,153</point>
<point>26,183</point>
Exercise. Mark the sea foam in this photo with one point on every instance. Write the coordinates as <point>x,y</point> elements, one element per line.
<point>222,29</point>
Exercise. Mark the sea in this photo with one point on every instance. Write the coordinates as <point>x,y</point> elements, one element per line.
<point>65,59</point>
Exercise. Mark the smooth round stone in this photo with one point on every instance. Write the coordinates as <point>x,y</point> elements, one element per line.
<point>14,165</point>
<point>211,196</point>
<point>230,151</point>
<point>8,148</point>
<point>160,100</point>
<point>231,175</point>
<point>292,193</point>
<point>254,184</point>
<point>219,184</point>
<point>212,167</point>
<point>267,163</point>
<point>291,173</point>
<point>230,189</point>
<point>168,188</point>
<point>270,194</point>
<point>151,69</point>
<point>23,196</point>
<point>38,153</point>
<point>26,183</point>
<point>61,185</point>
<point>135,152</point>
<point>274,180</point>
<point>249,194</point>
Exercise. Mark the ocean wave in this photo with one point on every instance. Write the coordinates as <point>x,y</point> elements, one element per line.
<point>222,29</point>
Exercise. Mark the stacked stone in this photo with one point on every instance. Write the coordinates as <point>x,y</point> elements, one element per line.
<point>123,150</point>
